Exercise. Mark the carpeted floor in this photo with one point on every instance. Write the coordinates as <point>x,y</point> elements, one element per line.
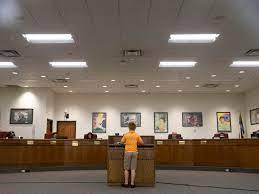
<point>94,182</point>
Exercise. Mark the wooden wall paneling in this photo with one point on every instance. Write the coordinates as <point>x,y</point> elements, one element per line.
<point>162,152</point>
<point>182,153</point>
<point>218,153</point>
<point>248,153</point>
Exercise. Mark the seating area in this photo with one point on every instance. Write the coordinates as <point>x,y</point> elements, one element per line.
<point>7,134</point>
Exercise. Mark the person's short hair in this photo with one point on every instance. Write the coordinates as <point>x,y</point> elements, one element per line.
<point>132,126</point>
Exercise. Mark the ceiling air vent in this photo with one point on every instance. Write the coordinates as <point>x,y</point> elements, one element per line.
<point>9,53</point>
<point>59,81</point>
<point>252,52</point>
<point>131,86</point>
<point>12,86</point>
<point>132,53</point>
<point>210,85</point>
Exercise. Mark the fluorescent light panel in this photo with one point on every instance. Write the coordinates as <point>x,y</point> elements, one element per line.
<point>68,64</point>
<point>193,38</point>
<point>177,63</point>
<point>245,64</point>
<point>7,65</point>
<point>49,38</point>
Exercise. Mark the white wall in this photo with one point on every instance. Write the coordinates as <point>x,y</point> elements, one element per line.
<point>80,108</point>
<point>46,104</point>
<point>36,99</point>
<point>252,102</point>
<point>50,109</point>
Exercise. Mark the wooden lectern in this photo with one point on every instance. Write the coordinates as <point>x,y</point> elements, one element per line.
<point>145,173</point>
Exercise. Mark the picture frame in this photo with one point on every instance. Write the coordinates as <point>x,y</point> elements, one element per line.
<point>192,119</point>
<point>99,122</point>
<point>160,122</point>
<point>254,116</point>
<point>224,122</point>
<point>127,117</point>
<point>21,116</point>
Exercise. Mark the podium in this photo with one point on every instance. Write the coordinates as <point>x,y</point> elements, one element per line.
<point>145,172</point>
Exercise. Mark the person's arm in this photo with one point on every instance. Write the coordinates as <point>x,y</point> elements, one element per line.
<point>123,140</point>
<point>140,141</point>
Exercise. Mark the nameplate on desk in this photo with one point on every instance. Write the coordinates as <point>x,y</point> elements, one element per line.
<point>97,142</point>
<point>181,142</point>
<point>75,143</point>
<point>53,142</point>
<point>30,142</point>
<point>203,142</point>
<point>159,142</point>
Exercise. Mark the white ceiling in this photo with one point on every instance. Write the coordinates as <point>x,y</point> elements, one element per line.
<point>102,28</point>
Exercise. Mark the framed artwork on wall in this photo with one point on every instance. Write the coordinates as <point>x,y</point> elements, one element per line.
<point>128,117</point>
<point>223,121</point>
<point>192,119</point>
<point>254,116</point>
<point>99,122</point>
<point>21,116</point>
<point>160,122</point>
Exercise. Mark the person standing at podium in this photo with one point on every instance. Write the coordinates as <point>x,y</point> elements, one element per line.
<point>131,141</point>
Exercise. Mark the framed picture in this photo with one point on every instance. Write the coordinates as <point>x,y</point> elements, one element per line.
<point>160,122</point>
<point>223,121</point>
<point>254,116</point>
<point>192,119</point>
<point>99,122</point>
<point>128,117</point>
<point>21,116</point>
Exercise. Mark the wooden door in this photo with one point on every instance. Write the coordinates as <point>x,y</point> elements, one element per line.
<point>67,128</point>
<point>49,126</point>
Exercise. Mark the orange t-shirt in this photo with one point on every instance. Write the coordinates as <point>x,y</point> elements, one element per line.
<point>131,141</point>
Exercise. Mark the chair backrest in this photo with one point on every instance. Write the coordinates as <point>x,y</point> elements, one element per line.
<point>220,135</point>
<point>90,136</point>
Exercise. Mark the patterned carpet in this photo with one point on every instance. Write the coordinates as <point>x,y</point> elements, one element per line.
<point>94,182</point>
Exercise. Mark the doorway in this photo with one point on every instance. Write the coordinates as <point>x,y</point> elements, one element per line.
<point>67,129</point>
<point>49,126</point>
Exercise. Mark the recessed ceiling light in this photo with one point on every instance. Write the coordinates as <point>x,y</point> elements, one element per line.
<point>70,91</point>
<point>197,86</point>
<point>188,77</point>
<point>193,38</point>
<point>26,86</point>
<point>245,64</point>
<point>49,38</point>
<point>113,80</point>
<point>143,91</point>
<point>158,86</point>
<point>213,75</point>
<point>236,86</point>
<point>104,86</point>
<point>68,64</point>
<point>43,76</point>
<point>15,73</point>
<point>177,63</point>
<point>67,78</point>
<point>179,90</point>
<point>142,80</point>
<point>7,65</point>
<point>65,86</point>
<point>242,71</point>
<point>106,91</point>
<point>227,90</point>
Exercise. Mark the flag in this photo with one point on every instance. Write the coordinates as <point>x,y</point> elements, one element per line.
<point>242,130</point>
